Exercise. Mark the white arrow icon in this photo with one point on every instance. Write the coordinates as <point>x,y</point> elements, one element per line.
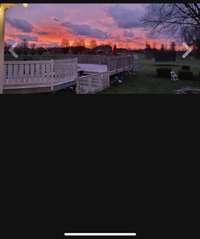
<point>189,50</point>
<point>11,50</point>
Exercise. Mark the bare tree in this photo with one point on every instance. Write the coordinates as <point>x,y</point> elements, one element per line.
<point>82,42</point>
<point>65,43</point>
<point>190,34</point>
<point>93,44</point>
<point>173,46</point>
<point>172,17</point>
<point>181,20</point>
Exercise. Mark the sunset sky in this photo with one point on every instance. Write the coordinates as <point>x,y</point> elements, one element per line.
<point>50,24</point>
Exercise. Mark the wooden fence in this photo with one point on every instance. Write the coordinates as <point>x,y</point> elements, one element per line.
<point>51,73</point>
<point>115,64</point>
<point>93,83</point>
<point>37,73</point>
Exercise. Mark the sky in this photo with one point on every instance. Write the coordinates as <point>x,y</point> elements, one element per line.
<point>81,24</point>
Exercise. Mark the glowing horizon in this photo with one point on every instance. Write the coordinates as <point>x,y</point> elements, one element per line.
<point>79,24</point>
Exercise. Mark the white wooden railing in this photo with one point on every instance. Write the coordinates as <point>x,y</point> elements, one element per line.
<point>115,64</point>
<point>93,83</point>
<point>50,73</point>
<point>37,73</point>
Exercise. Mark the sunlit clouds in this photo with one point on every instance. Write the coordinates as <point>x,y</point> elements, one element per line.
<point>80,24</point>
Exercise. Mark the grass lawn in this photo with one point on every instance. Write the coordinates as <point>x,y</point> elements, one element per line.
<point>147,82</point>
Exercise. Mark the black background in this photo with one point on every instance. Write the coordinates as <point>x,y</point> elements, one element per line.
<point>99,164</point>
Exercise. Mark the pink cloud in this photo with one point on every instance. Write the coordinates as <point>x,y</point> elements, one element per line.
<point>106,23</point>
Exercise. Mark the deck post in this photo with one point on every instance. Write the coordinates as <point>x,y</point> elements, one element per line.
<point>2,31</point>
<point>52,75</point>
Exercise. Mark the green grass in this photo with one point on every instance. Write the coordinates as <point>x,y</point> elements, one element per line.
<point>147,82</point>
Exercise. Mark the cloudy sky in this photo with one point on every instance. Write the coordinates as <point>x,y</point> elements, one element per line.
<point>51,24</point>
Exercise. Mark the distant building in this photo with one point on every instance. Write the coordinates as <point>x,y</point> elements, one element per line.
<point>123,51</point>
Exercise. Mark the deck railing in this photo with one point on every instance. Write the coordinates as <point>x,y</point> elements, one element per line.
<point>50,73</point>
<point>91,84</point>
<point>47,73</point>
<point>114,63</point>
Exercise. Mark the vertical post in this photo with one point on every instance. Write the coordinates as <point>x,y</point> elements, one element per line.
<point>52,75</point>
<point>2,29</point>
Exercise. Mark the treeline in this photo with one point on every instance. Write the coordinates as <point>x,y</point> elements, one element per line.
<point>169,53</point>
<point>162,54</point>
<point>31,51</point>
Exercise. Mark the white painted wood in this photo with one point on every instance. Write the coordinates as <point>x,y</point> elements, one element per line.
<point>2,30</point>
<point>36,73</point>
<point>3,8</point>
<point>51,73</point>
<point>93,68</point>
<point>93,83</point>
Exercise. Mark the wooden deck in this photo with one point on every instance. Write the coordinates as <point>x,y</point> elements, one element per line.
<point>39,76</point>
<point>53,75</point>
<point>98,71</point>
<point>115,64</point>
<point>97,68</point>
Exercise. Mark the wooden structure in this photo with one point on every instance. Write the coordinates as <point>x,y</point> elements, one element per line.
<point>3,9</point>
<point>101,69</point>
<point>39,76</point>
<point>92,83</point>
<point>115,64</point>
<point>52,75</point>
